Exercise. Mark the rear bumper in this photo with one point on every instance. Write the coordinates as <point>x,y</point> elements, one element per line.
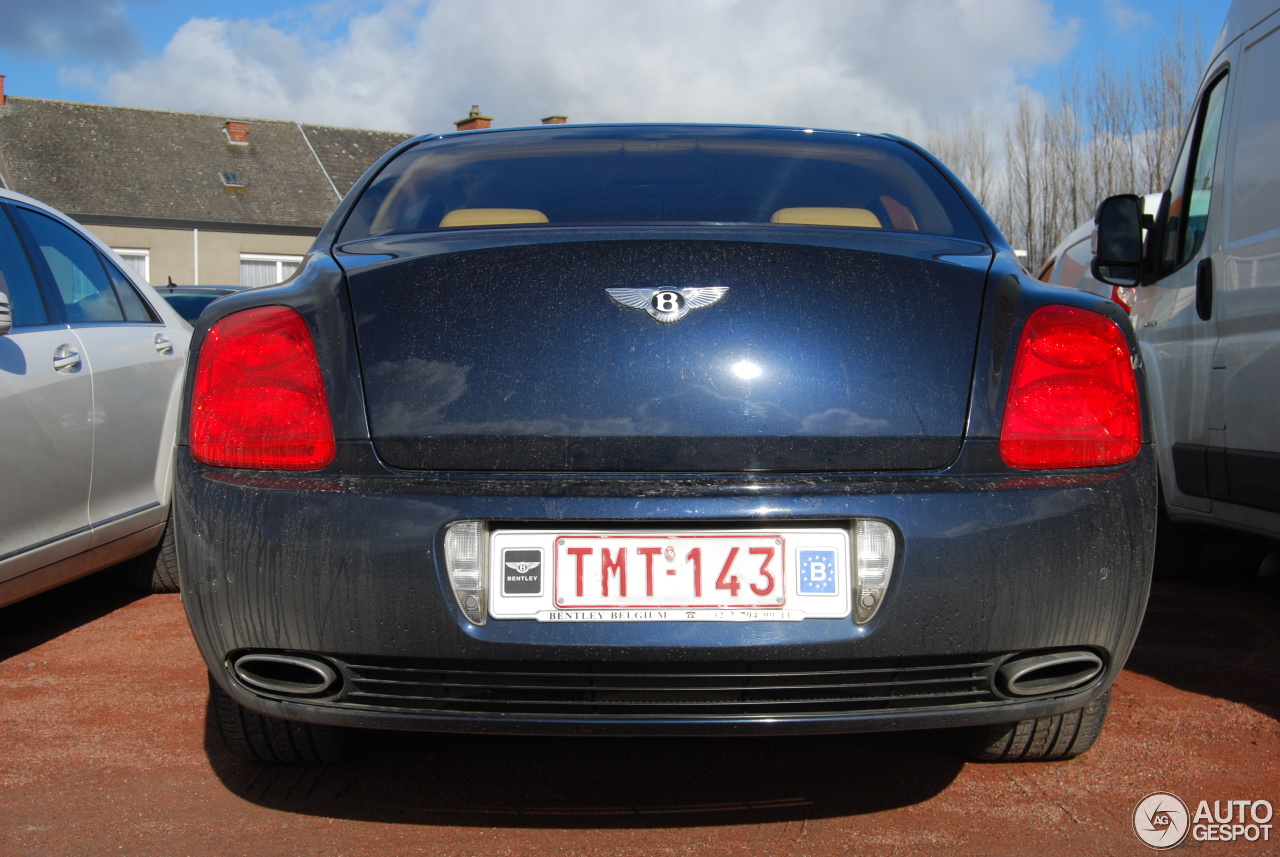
<point>673,725</point>
<point>346,569</point>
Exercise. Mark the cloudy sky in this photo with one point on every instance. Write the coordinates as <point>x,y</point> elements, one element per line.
<point>875,65</point>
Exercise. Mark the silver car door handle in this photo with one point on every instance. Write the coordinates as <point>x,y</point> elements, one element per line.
<point>65,358</point>
<point>164,345</point>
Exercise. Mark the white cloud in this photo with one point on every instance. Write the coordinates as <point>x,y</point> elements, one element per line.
<point>1125,16</point>
<point>875,65</point>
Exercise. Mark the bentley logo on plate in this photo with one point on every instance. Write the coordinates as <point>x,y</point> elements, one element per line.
<point>522,572</point>
<point>669,305</point>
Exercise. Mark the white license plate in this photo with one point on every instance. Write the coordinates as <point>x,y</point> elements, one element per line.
<point>778,575</point>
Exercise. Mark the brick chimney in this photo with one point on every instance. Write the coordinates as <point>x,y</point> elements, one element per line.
<point>1,90</point>
<point>554,120</point>
<point>474,120</point>
<point>237,132</point>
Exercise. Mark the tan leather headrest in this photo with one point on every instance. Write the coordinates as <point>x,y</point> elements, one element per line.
<point>491,216</point>
<point>859,217</point>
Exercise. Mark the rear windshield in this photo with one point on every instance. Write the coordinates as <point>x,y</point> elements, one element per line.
<point>576,176</point>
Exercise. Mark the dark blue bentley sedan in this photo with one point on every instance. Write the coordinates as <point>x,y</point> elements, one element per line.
<point>663,430</point>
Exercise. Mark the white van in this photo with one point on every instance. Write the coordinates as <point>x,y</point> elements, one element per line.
<point>1207,313</point>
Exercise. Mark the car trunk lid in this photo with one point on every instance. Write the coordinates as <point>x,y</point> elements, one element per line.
<point>814,358</point>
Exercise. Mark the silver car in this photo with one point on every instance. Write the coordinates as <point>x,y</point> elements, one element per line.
<point>1068,265</point>
<point>91,363</point>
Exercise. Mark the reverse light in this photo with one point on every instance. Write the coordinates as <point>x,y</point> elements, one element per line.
<point>874,547</point>
<point>258,399</point>
<point>1073,398</point>
<point>466,550</point>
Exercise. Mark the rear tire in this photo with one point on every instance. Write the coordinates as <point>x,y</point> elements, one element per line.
<point>1044,739</point>
<point>156,570</point>
<point>258,738</point>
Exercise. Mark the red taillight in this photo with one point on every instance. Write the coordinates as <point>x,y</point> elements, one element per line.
<point>258,400</point>
<point>1073,398</point>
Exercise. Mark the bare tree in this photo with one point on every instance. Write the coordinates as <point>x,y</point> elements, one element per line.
<point>1119,133</point>
<point>1114,130</point>
<point>1165,87</point>
<point>965,146</point>
<point>1068,148</point>
<point>979,156</point>
<point>1024,174</point>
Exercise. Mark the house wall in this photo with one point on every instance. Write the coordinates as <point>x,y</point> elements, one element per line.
<point>173,251</point>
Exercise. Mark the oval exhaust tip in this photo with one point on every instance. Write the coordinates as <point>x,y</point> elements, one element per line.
<point>1040,675</point>
<point>290,675</point>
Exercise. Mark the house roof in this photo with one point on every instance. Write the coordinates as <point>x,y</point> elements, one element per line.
<point>104,164</point>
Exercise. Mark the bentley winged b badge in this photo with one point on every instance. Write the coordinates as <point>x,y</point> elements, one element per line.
<point>669,305</point>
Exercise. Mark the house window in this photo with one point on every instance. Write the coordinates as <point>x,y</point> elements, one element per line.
<point>136,262</point>
<point>257,269</point>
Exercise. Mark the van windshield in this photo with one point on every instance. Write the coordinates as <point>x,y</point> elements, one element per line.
<point>593,176</point>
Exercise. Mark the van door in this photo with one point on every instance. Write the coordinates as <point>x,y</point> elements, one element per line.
<point>1173,319</point>
<point>1245,457</point>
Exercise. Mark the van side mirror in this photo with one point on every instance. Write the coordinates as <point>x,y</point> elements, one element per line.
<point>1117,241</point>
<point>6,314</point>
